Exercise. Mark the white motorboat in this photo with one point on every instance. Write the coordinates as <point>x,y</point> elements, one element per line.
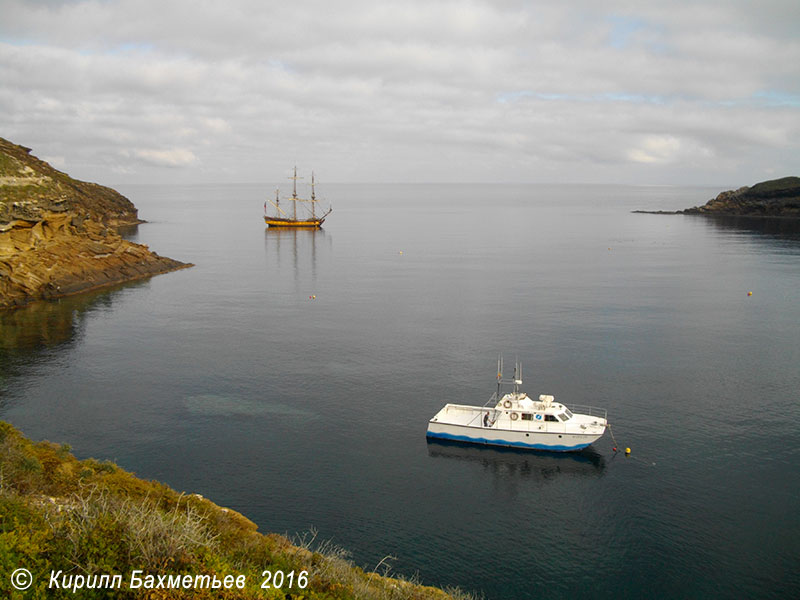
<point>514,419</point>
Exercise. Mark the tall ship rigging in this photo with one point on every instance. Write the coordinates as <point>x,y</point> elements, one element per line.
<point>281,218</point>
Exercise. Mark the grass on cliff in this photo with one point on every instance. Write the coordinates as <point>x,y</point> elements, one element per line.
<point>92,518</point>
<point>13,167</point>
<point>776,187</point>
<point>40,185</point>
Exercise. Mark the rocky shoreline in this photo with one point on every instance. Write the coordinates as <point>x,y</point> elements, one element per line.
<point>774,198</point>
<point>58,235</point>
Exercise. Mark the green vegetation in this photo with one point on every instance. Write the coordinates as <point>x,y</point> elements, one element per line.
<point>88,518</point>
<point>776,188</point>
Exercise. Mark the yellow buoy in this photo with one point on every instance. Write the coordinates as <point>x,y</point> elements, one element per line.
<point>627,450</point>
<point>749,293</point>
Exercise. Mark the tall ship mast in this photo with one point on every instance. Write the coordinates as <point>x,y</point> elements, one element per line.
<point>281,219</point>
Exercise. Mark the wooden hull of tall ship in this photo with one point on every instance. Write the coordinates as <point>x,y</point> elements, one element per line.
<point>285,222</point>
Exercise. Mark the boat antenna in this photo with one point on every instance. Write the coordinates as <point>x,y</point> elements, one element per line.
<point>499,374</point>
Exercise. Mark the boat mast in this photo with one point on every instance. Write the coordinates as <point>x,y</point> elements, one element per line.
<point>313,197</point>
<point>294,192</point>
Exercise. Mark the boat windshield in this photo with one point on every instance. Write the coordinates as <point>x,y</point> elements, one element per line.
<point>568,412</point>
<point>563,416</point>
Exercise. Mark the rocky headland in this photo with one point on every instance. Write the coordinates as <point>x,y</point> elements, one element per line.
<point>774,198</point>
<point>58,235</point>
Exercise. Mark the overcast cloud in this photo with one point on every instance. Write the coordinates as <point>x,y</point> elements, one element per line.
<point>676,92</point>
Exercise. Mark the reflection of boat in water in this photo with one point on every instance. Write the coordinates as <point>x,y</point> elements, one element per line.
<point>540,465</point>
<point>282,219</point>
<point>517,421</point>
<point>297,248</point>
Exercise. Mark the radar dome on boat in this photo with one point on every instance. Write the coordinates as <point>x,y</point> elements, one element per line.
<point>526,403</point>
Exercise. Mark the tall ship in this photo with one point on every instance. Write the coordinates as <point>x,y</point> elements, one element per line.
<point>308,216</point>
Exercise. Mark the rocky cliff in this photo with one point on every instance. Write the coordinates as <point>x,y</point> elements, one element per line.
<point>775,198</point>
<point>58,235</point>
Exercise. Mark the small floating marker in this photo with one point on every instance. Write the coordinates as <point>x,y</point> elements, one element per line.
<point>313,297</point>
<point>400,252</point>
<point>749,293</point>
<point>627,450</point>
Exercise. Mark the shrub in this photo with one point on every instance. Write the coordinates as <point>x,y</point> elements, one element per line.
<point>90,517</point>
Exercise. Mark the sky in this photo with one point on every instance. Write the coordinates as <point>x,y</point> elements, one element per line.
<point>694,92</point>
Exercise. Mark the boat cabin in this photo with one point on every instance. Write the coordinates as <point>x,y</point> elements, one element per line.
<point>518,405</point>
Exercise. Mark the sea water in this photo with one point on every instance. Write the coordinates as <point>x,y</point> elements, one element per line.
<point>290,376</point>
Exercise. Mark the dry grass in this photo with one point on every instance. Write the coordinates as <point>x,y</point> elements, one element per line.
<point>89,517</point>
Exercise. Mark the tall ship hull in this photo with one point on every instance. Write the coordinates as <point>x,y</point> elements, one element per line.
<point>279,222</point>
<point>281,218</point>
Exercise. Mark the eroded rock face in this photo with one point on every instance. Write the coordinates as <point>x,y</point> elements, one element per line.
<point>58,236</point>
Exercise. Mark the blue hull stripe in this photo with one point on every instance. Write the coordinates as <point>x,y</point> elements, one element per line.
<point>464,438</point>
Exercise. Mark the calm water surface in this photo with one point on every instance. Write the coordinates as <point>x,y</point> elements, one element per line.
<point>290,376</point>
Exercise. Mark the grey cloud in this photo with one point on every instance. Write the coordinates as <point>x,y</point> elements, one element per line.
<point>432,90</point>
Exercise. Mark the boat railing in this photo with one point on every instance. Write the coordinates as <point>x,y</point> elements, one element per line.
<point>592,411</point>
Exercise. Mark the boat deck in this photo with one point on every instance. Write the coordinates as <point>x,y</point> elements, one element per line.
<point>459,414</point>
